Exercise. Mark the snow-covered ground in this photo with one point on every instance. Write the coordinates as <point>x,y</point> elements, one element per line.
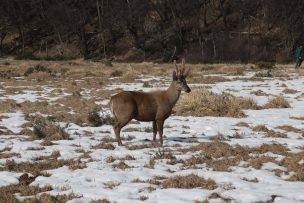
<point>92,181</point>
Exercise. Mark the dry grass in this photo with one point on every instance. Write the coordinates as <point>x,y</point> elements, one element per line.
<point>100,201</point>
<point>269,133</point>
<point>9,155</point>
<point>254,180</point>
<point>104,145</point>
<point>242,124</point>
<point>111,159</point>
<point>38,167</point>
<point>204,103</point>
<point>142,198</point>
<point>215,195</point>
<point>207,79</point>
<point>111,184</point>
<point>121,165</point>
<point>259,93</point>
<point>48,130</point>
<point>7,193</point>
<point>220,156</point>
<point>188,182</point>
<point>290,91</point>
<point>277,102</point>
<point>289,128</point>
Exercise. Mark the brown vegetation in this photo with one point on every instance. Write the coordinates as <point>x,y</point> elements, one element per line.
<point>277,102</point>
<point>189,181</point>
<point>202,102</point>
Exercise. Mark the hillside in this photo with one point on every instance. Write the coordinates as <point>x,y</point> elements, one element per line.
<point>152,30</point>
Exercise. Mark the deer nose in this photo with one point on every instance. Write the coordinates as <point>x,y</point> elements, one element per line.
<point>188,90</point>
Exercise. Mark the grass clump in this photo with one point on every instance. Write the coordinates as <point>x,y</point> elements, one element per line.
<point>204,103</point>
<point>147,84</point>
<point>277,102</point>
<point>265,65</point>
<point>48,130</point>
<point>188,182</point>
<point>8,74</point>
<point>39,68</point>
<point>117,73</point>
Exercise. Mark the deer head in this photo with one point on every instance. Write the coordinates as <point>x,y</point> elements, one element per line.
<point>179,77</point>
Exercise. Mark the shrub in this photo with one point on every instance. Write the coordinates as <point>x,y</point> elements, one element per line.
<point>39,68</point>
<point>147,84</point>
<point>96,120</point>
<point>8,74</point>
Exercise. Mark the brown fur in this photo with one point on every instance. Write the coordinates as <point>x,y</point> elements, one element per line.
<point>148,106</point>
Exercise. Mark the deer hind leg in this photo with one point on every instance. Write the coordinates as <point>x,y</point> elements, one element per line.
<point>160,126</point>
<point>154,131</point>
<point>117,128</point>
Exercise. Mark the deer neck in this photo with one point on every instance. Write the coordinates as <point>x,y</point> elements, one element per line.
<point>173,94</point>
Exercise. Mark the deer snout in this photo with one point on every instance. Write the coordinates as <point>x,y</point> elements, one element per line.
<point>187,89</point>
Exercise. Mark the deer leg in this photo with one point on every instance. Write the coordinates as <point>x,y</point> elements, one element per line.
<point>154,130</point>
<point>160,126</point>
<point>117,127</point>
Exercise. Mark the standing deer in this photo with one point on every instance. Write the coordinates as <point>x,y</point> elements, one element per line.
<point>149,106</point>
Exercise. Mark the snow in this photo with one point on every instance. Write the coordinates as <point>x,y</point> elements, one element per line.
<point>91,181</point>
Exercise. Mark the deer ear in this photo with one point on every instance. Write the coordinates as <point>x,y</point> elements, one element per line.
<point>176,72</point>
<point>174,75</point>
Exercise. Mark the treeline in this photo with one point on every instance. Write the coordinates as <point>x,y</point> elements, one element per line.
<point>152,30</point>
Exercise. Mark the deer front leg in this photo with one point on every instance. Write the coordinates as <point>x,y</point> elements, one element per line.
<point>154,130</point>
<point>117,129</point>
<point>160,126</point>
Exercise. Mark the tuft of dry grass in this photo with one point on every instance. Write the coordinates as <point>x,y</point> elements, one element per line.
<point>290,91</point>
<point>204,103</point>
<point>289,128</point>
<point>254,180</point>
<point>142,198</point>
<point>48,130</point>
<point>220,156</point>
<point>269,133</point>
<point>259,93</point>
<point>277,102</point>
<point>207,79</point>
<point>188,182</point>
<point>7,193</point>
<point>38,167</point>
<point>121,165</point>
<point>111,184</point>
<point>104,145</point>
<point>242,124</point>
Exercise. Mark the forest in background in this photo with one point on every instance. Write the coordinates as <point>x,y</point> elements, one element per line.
<point>152,30</point>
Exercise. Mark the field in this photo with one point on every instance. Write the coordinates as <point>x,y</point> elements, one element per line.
<point>237,137</point>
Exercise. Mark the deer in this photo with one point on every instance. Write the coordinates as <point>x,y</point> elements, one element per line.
<point>155,106</point>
